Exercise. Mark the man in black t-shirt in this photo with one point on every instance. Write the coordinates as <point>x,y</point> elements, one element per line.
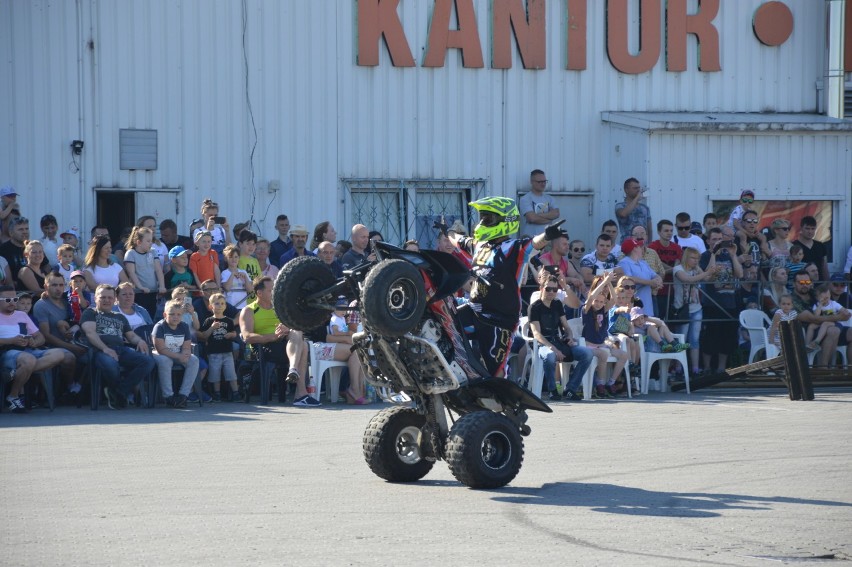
<point>815,251</point>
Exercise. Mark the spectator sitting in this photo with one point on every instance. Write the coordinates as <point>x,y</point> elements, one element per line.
<point>804,301</point>
<point>179,275</point>
<point>599,261</point>
<point>595,325</point>
<point>52,313</point>
<point>21,356</point>
<point>25,304</point>
<point>411,245</point>
<point>326,254</point>
<point>136,315</point>
<point>172,345</point>
<point>13,250</point>
<point>71,237</point>
<point>661,337</point>
<point>202,307</point>
<point>824,306</point>
<point>122,367</point>
<point>31,276</point>
<point>100,269</point>
<point>558,257</point>
<point>338,346</point>
<point>220,332</point>
<point>610,228</point>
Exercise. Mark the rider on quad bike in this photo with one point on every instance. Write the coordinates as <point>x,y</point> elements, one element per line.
<point>498,264</point>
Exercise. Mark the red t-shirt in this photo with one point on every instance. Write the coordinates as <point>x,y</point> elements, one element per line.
<point>669,255</point>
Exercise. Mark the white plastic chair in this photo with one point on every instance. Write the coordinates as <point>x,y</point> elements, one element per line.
<point>841,350</point>
<point>664,358</point>
<point>319,369</point>
<point>536,364</point>
<point>576,325</point>
<point>757,324</point>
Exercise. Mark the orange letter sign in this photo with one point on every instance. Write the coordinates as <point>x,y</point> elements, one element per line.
<point>377,19</point>
<point>531,35</point>
<point>649,36</point>
<point>678,24</point>
<point>465,38</point>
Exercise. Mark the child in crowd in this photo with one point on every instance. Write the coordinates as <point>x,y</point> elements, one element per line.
<point>337,325</point>
<point>746,200</point>
<point>784,313</point>
<point>71,237</point>
<point>661,338</point>
<point>824,306</point>
<point>188,316</point>
<point>143,269</point>
<point>65,261</point>
<point>204,263</point>
<point>620,328</point>
<point>179,275</point>
<point>25,304</point>
<point>247,242</point>
<point>219,332</point>
<point>216,226</point>
<point>236,282</point>
<point>49,241</point>
<point>172,345</point>
<point>795,264</point>
<point>595,324</point>
<point>9,207</point>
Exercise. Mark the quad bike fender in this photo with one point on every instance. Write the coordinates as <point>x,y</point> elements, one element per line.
<point>508,392</point>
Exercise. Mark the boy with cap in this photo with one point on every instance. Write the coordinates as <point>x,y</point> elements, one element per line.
<point>179,274</point>
<point>661,337</point>
<point>71,237</point>
<point>9,206</point>
<point>736,218</point>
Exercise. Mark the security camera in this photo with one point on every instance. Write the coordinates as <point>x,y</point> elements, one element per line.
<point>77,147</point>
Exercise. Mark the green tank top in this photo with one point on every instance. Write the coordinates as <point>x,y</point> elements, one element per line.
<point>265,320</point>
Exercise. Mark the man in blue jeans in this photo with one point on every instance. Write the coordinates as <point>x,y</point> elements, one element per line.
<point>121,366</point>
<point>547,315</point>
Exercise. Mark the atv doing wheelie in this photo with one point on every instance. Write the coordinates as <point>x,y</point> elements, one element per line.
<point>413,344</point>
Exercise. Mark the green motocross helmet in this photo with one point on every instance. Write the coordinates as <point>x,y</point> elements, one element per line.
<point>498,217</point>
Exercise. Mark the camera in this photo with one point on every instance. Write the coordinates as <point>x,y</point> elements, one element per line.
<point>554,270</point>
<point>220,220</point>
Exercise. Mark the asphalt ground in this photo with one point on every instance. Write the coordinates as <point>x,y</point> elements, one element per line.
<point>721,477</point>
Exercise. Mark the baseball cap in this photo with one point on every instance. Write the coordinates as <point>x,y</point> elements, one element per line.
<point>838,277</point>
<point>73,231</point>
<point>635,313</point>
<point>299,229</point>
<point>629,245</point>
<point>177,251</point>
<point>747,192</point>
<point>8,191</point>
<point>342,302</point>
<point>76,273</point>
<point>199,233</point>
<point>696,228</point>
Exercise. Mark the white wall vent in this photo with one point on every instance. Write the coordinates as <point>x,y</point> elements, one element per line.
<point>137,149</point>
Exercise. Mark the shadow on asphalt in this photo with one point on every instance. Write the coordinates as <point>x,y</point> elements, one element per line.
<point>614,499</point>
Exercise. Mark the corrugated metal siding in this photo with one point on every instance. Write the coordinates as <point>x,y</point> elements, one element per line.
<point>178,66</point>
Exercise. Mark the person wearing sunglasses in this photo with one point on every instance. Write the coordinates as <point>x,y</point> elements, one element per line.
<point>804,301</point>
<point>634,265</point>
<point>683,233</point>
<point>538,209</point>
<point>752,242</point>
<point>719,331</point>
<point>746,201</point>
<point>576,251</point>
<point>20,340</point>
<point>779,245</point>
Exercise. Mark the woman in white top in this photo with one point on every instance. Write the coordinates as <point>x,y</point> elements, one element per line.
<point>99,268</point>
<point>136,315</point>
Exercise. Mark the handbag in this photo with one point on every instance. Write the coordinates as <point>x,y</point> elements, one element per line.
<point>621,325</point>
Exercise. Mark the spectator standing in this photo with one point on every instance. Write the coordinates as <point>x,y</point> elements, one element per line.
<point>9,207</point>
<point>600,260</point>
<point>652,259</point>
<point>686,300</point>
<point>31,276</point>
<point>558,256</point>
<point>204,263</point>
<point>201,305</point>
<point>719,332</point>
<point>218,227</point>
<point>684,238</point>
<point>247,243</point>
<point>261,252</point>
<point>143,269</point>
<point>179,273</point>
<point>752,241</point>
<point>632,211</point>
<point>13,249</point>
<point>646,279</point>
<point>50,241</point>
<point>323,232</point>
<point>122,367</point>
<point>282,244</point>
<point>219,331</point>
<point>236,282</point>
<point>538,208</point>
<point>299,237</point>
<point>576,251</point>
<point>815,251</point>
<point>779,246</point>
<point>669,254</point>
<point>170,238</point>
<point>359,252</point>
<point>610,228</point>
<point>775,288</point>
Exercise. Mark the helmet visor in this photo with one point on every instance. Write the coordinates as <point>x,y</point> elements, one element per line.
<point>487,218</point>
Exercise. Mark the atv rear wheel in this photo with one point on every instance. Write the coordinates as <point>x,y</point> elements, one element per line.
<point>392,445</point>
<point>393,299</point>
<point>299,278</point>
<point>485,450</point>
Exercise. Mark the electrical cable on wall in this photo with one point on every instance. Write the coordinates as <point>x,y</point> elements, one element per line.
<point>251,116</point>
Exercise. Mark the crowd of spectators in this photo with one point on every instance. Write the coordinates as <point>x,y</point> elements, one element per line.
<point>202,302</point>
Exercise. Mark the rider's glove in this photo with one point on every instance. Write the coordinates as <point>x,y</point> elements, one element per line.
<point>553,231</point>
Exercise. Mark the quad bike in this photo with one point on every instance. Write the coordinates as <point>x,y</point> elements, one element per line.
<point>413,344</point>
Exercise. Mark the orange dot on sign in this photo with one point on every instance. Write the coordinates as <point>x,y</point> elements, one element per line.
<point>773,23</point>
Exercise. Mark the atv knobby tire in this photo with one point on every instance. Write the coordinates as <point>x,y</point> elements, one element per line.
<point>484,450</point>
<point>392,445</point>
<point>297,279</point>
<point>393,298</point>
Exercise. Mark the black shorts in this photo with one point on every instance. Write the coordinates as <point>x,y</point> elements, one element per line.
<point>494,345</point>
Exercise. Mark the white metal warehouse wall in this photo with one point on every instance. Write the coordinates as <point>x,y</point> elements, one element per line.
<point>178,66</point>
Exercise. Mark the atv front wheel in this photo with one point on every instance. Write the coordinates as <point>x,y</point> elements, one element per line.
<point>299,278</point>
<point>393,299</point>
<point>485,450</point>
<point>392,445</point>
